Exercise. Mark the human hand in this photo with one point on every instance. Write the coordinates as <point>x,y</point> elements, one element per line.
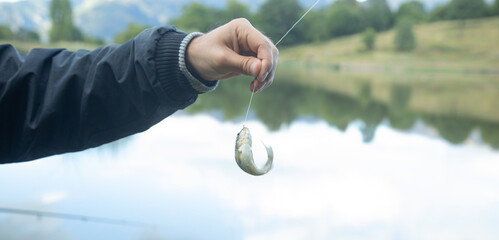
<point>233,49</point>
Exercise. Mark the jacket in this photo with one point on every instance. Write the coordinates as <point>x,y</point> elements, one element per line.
<point>56,101</point>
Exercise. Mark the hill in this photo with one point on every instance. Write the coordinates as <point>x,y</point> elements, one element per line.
<point>454,46</point>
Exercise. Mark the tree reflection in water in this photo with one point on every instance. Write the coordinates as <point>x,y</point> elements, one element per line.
<point>287,101</point>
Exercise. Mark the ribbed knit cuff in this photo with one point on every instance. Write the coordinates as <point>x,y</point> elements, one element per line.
<point>180,85</point>
<point>194,79</point>
<point>178,91</point>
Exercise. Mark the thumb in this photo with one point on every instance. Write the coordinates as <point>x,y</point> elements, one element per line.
<point>246,65</point>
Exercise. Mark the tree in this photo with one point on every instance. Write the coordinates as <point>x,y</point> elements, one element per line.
<point>372,115</point>
<point>27,35</point>
<point>453,129</point>
<point>276,17</point>
<point>22,34</point>
<point>439,13</point>
<point>379,15</point>
<point>414,10</point>
<point>93,40</point>
<point>62,22</point>
<point>316,29</point>
<point>490,133</point>
<point>369,39</point>
<point>132,31</point>
<point>344,17</point>
<point>235,9</point>
<point>198,17</point>
<point>466,9</point>
<point>495,8</point>
<point>6,33</point>
<point>404,36</point>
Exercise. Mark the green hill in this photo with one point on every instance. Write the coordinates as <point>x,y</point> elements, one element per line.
<point>462,46</point>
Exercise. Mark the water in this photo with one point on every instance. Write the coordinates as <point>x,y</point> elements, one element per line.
<point>360,157</point>
<point>458,109</point>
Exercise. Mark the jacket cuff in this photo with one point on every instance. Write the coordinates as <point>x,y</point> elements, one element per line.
<point>196,82</point>
<point>171,79</point>
<point>181,87</point>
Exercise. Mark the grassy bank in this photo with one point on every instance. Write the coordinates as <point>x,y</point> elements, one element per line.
<point>24,47</point>
<point>462,46</point>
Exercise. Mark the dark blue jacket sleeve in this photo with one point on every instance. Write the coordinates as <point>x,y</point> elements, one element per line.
<point>55,101</point>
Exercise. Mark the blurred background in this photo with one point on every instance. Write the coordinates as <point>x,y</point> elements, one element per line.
<point>383,117</point>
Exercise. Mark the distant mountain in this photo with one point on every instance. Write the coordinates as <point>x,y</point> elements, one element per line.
<point>107,18</point>
<point>26,14</point>
<point>97,18</point>
<point>104,19</point>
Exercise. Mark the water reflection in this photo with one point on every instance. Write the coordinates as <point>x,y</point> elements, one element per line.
<point>455,108</point>
<point>179,178</point>
<point>326,184</point>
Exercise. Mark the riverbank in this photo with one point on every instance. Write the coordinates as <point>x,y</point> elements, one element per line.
<point>448,46</point>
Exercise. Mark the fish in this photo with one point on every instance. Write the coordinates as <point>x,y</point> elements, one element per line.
<point>244,154</point>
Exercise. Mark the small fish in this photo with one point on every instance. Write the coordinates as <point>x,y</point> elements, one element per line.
<point>244,154</point>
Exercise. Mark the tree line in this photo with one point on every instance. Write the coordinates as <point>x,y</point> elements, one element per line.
<point>340,18</point>
<point>21,34</point>
<point>275,17</point>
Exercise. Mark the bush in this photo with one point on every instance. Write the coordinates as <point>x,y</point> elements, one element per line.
<point>369,39</point>
<point>414,10</point>
<point>93,40</point>
<point>466,9</point>
<point>460,9</point>
<point>196,16</point>
<point>344,18</point>
<point>129,33</point>
<point>438,14</point>
<point>6,33</point>
<point>316,29</point>
<point>404,36</point>
<point>378,15</point>
<point>27,35</point>
<point>276,17</point>
<point>495,8</point>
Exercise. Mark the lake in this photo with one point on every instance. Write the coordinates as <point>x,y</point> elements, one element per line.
<point>357,155</point>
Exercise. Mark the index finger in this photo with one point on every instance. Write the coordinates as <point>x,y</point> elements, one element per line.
<point>250,39</point>
<point>263,48</point>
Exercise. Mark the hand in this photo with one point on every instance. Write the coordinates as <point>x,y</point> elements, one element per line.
<point>233,49</point>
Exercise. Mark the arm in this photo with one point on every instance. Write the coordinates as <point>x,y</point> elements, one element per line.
<point>54,101</point>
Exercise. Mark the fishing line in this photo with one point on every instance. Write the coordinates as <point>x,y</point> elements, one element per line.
<point>76,217</point>
<point>294,25</point>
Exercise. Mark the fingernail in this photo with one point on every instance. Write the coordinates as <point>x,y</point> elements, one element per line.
<point>253,68</point>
